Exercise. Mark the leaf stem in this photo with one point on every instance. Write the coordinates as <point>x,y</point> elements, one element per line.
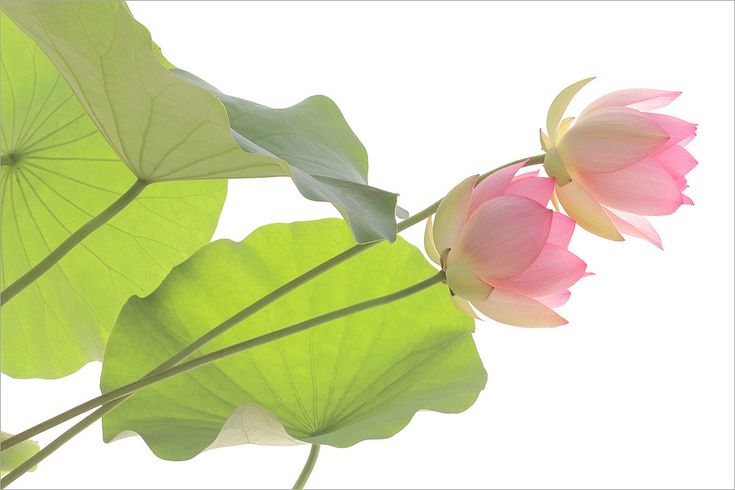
<point>71,241</point>
<point>308,468</point>
<point>115,395</point>
<point>245,313</point>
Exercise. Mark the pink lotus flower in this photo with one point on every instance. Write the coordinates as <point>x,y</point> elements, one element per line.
<point>618,162</point>
<point>503,251</point>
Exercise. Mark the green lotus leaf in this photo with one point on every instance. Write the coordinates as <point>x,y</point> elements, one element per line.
<point>360,377</point>
<point>16,455</point>
<point>57,173</point>
<point>327,161</point>
<point>161,127</point>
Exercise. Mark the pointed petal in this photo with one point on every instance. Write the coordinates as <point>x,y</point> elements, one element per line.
<point>465,283</point>
<point>503,237</point>
<point>452,214</point>
<point>555,270</point>
<point>586,211</point>
<point>514,309</point>
<point>641,99</point>
<point>429,245</point>
<point>679,131</point>
<point>634,225</point>
<point>611,139</point>
<point>537,188</point>
<point>642,188</point>
<point>676,160</point>
<point>495,185</point>
<point>554,300</point>
<point>562,228</point>
<point>545,143</point>
<point>464,306</point>
<point>560,104</point>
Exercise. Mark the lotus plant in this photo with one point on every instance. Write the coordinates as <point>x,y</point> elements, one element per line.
<point>618,162</point>
<point>503,251</point>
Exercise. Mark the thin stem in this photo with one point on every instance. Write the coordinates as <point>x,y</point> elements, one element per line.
<point>245,313</point>
<point>308,468</point>
<point>184,367</point>
<point>72,240</point>
<point>108,397</point>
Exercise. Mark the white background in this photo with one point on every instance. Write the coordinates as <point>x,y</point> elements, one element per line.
<point>636,392</point>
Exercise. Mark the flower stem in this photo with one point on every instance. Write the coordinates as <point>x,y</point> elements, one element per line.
<point>71,241</point>
<point>308,468</point>
<point>115,396</point>
<point>221,328</point>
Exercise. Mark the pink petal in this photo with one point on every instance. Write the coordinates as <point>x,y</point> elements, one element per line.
<point>521,311</point>
<point>562,228</point>
<point>553,271</point>
<point>583,208</point>
<point>641,99</point>
<point>634,225</point>
<point>537,188</point>
<point>676,160</point>
<point>452,214</point>
<point>687,200</point>
<point>554,300</point>
<point>494,185</point>
<point>643,188</point>
<point>610,139</point>
<point>679,131</point>
<point>503,237</point>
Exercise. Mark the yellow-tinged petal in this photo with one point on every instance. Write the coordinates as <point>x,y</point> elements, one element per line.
<point>429,244</point>
<point>464,306</point>
<point>586,211</point>
<point>555,167</point>
<point>452,213</point>
<point>545,143</point>
<point>559,107</point>
<point>520,311</point>
<point>564,126</point>
<point>465,283</point>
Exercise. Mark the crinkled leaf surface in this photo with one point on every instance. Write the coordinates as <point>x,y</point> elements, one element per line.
<point>327,161</point>
<point>14,456</point>
<point>57,173</point>
<point>360,377</point>
<point>161,127</point>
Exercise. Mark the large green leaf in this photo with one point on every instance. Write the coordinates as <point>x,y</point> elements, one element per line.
<point>327,161</point>
<point>16,455</point>
<point>57,173</point>
<point>162,127</point>
<point>360,377</point>
<point>165,128</point>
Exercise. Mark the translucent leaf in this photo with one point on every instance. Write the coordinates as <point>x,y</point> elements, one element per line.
<point>161,127</point>
<point>16,455</point>
<point>57,173</point>
<point>360,377</point>
<point>327,161</point>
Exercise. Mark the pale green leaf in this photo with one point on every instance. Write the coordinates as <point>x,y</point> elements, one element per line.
<point>327,161</point>
<point>16,455</point>
<point>57,173</point>
<point>360,377</point>
<point>161,127</point>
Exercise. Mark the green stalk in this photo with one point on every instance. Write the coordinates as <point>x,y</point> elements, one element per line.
<point>308,468</point>
<point>243,314</point>
<point>72,240</point>
<point>115,395</point>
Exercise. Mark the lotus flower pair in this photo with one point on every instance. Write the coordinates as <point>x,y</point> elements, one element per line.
<point>506,254</point>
